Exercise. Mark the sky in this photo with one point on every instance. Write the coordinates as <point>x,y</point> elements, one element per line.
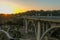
<point>25,5</point>
<point>39,4</point>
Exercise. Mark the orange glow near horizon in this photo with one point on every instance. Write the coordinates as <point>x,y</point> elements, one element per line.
<point>6,16</point>
<point>19,6</point>
<point>13,8</point>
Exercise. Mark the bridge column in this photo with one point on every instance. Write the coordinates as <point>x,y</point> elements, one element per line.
<point>38,31</point>
<point>26,25</point>
<point>46,38</point>
<point>35,30</point>
<point>44,27</point>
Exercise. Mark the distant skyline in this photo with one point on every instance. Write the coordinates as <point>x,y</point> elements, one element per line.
<point>26,5</point>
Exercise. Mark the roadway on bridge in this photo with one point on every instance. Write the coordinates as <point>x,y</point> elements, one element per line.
<point>44,18</point>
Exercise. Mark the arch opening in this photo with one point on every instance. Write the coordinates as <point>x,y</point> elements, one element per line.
<point>56,33</point>
<point>51,29</point>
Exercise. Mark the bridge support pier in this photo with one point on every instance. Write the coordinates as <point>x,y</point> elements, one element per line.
<point>26,25</point>
<point>38,31</point>
<point>46,38</point>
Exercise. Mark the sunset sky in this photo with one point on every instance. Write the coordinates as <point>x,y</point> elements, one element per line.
<point>15,6</point>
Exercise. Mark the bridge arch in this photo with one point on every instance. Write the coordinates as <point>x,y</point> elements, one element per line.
<point>7,34</point>
<point>48,30</point>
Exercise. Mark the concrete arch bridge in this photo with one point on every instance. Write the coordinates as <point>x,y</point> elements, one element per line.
<point>42,26</point>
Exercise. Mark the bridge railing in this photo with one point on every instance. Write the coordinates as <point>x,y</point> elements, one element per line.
<point>48,17</point>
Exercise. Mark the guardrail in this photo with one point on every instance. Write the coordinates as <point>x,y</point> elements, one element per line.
<point>48,17</point>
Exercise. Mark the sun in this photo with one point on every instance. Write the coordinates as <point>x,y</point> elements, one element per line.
<point>9,9</point>
<point>5,9</point>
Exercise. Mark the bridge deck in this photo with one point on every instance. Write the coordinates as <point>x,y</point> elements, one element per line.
<point>44,18</point>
